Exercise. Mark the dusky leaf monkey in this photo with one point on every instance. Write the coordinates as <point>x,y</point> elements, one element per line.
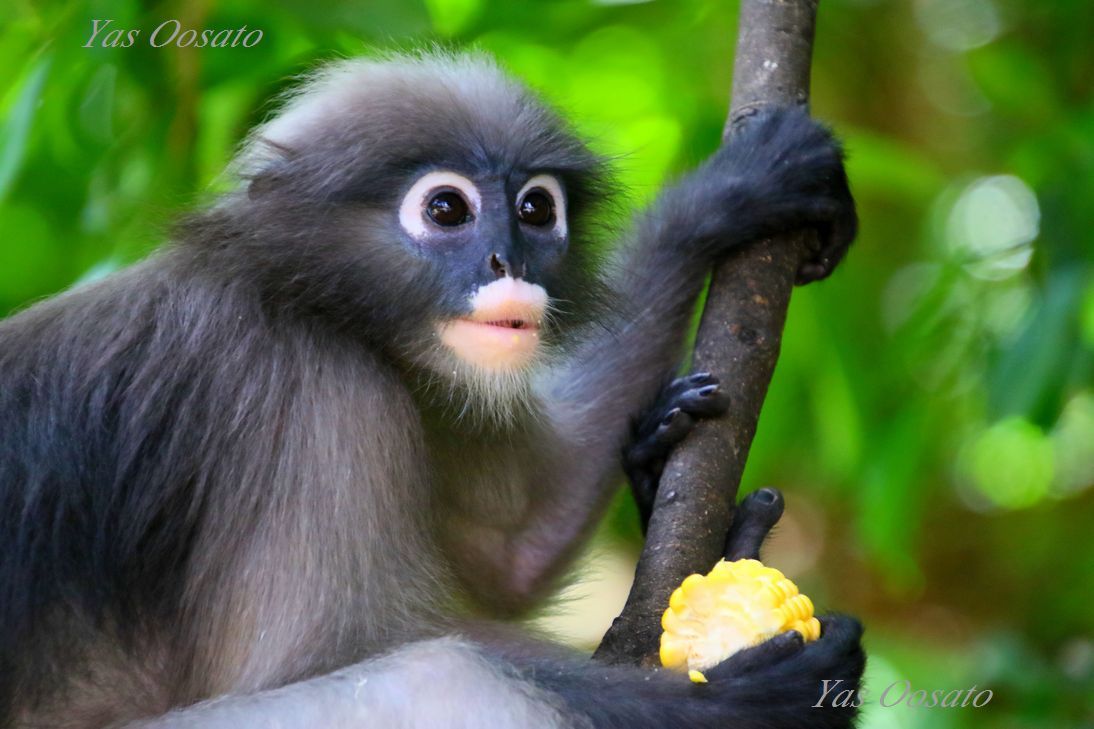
<point>306,459</point>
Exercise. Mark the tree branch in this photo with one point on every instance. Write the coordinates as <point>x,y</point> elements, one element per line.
<point>738,340</point>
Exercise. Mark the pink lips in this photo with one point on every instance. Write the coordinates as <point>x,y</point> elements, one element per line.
<point>502,331</point>
<point>507,324</point>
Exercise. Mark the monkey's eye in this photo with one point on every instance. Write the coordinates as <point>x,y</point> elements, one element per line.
<point>448,209</point>
<point>536,208</point>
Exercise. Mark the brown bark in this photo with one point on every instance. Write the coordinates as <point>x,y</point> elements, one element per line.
<point>738,340</point>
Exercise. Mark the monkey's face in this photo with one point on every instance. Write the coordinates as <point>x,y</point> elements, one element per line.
<point>437,210</point>
<point>501,238</point>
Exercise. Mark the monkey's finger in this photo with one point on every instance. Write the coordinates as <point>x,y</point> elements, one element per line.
<point>841,629</point>
<point>769,652</point>
<point>674,426</point>
<point>704,401</point>
<point>672,391</point>
<point>670,430</point>
<point>838,652</point>
<point>752,521</point>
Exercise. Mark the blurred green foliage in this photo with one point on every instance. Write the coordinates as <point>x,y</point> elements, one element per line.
<point>932,417</point>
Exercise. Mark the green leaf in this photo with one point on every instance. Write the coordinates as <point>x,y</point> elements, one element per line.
<point>452,17</point>
<point>17,123</point>
<point>97,107</point>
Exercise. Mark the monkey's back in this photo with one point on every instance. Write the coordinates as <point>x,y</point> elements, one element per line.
<point>168,450</point>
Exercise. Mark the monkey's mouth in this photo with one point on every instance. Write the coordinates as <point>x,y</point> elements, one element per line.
<point>506,323</point>
<point>502,331</point>
<point>495,344</point>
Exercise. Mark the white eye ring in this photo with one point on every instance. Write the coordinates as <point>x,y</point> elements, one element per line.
<point>412,210</point>
<point>554,189</point>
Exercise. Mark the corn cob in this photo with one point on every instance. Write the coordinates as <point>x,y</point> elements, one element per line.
<point>737,605</point>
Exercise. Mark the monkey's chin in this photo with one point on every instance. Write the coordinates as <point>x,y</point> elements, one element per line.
<point>494,347</point>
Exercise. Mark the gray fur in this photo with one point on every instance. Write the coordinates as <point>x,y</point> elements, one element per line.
<point>246,463</point>
<point>439,683</point>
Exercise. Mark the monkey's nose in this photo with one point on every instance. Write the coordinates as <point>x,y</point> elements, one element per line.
<point>501,267</point>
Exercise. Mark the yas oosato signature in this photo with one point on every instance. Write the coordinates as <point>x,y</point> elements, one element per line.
<point>901,692</point>
<point>171,33</point>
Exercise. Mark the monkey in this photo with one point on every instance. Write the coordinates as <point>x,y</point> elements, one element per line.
<point>310,462</point>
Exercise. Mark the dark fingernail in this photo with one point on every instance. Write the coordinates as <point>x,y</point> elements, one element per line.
<point>708,390</point>
<point>766,496</point>
<point>793,636</point>
<point>672,415</point>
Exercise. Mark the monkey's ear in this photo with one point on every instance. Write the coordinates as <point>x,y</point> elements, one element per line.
<point>274,168</point>
<point>266,180</point>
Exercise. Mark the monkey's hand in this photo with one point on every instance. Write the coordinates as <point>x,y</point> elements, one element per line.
<point>663,425</point>
<point>815,683</point>
<point>819,680</point>
<point>782,171</point>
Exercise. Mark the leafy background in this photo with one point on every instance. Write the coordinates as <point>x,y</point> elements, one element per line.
<point>932,417</point>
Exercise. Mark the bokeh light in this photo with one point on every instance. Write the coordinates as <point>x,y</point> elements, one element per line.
<point>992,225</point>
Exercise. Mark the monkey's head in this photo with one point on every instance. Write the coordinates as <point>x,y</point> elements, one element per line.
<point>429,202</point>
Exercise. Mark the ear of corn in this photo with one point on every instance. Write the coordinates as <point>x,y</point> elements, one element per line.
<point>737,605</point>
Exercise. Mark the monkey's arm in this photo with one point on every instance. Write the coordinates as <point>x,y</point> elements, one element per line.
<point>784,172</point>
<point>453,683</point>
<point>443,683</point>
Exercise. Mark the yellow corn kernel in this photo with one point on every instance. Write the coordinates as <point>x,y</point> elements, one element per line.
<point>736,605</point>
